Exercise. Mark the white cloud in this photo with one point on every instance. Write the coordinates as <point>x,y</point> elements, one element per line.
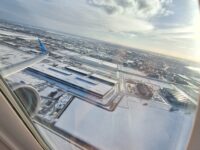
<point>187,32</point>
<point>136,8</point>
<point>126,24</point>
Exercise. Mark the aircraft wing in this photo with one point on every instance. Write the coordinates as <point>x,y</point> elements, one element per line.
<point>11,69</point>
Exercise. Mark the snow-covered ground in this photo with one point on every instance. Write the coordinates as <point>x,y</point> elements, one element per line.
<point>17,34</point>
<point>134,124</point>
<point>9,56</point>
<point>133,127</point>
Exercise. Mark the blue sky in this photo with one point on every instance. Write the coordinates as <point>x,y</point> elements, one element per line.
<point>165,26</point>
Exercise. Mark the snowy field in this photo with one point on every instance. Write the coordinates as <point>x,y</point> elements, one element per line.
<point>9,56</point>
<point>17,34</point>
<point>134,124</point>
<point>133,127</point>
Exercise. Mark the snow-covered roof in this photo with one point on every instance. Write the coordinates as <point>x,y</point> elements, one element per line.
<point>77,81</point>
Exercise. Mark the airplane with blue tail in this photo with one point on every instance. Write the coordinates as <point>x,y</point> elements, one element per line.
<point>42,46</point>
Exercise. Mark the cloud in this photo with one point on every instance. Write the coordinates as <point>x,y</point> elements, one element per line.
<point>108,8</point>
<point>136,8</point>
<point>125,24</point>
<point>186,32</point>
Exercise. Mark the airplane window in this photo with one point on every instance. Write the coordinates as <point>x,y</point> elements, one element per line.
<point>104,74</point>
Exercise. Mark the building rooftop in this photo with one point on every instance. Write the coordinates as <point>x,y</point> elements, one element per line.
<point>131,126</point>
<point>82,83</point>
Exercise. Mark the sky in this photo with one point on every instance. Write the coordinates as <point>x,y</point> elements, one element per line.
<point>170,27</point>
